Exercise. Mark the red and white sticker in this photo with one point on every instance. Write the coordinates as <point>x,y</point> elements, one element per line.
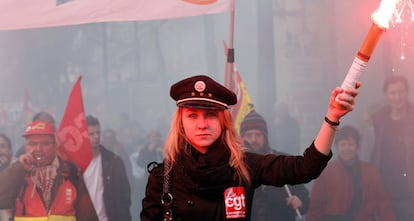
<point>235,200</point>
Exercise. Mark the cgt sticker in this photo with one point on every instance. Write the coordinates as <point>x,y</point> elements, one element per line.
<point>235,201</point>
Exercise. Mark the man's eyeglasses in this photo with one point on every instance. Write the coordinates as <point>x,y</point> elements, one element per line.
<point>40,143</point>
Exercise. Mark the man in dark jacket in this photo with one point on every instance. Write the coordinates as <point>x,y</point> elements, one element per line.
<point>271,203</point>
<point>393,152</point>
<point>106,179</point>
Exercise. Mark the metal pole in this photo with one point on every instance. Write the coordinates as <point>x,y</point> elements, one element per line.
<point>228,81</point>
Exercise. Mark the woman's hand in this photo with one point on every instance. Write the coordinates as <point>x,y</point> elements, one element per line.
<point>341,102</point>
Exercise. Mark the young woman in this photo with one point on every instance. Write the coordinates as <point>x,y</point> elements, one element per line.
<point>349,189</point>
<point>207,175</point>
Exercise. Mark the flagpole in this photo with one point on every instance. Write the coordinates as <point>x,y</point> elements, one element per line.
<point>290,195</point>
<point>105,57</point>
<point>230,51</point>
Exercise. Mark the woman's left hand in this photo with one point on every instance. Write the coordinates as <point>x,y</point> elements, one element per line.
<point>342,101</point>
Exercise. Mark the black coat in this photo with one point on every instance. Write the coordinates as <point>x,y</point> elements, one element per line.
<point>117,191</point>
<point>269,202</point>
<point>193,202</point>
<point>393,154</point>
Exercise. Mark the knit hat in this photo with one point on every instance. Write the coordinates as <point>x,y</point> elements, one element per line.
<point>253,121</point>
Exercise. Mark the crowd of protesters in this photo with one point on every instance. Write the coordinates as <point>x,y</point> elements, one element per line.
<point>136,147</point>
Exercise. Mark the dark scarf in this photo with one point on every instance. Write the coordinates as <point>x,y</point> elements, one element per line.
<point>208,174</point>
<point>351,213</point>
<point>354,171</point>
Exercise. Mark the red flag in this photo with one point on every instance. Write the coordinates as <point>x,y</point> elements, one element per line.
<point>74,144</point>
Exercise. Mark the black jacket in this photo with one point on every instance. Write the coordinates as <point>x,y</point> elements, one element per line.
<point>117,191</point>
<point>269,202</point>
<point>194,200</point>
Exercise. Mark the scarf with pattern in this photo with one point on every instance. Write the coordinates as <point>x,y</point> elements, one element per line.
<point>43,178</point>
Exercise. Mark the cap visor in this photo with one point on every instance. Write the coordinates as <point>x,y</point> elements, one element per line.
<point>202,105</point>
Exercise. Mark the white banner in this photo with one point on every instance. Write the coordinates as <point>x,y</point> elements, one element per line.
<point>23,14</point>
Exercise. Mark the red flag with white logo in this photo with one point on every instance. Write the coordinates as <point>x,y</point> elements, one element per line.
<point>74,144</point>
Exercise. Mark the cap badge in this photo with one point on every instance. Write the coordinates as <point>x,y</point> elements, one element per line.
<point>39,126</point>
<point>200,86</point>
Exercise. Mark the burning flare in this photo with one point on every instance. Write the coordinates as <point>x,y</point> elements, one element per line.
<point>383,14</point>
<point>380,18</point>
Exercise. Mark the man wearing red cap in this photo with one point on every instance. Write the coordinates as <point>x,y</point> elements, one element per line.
<point>42,186</point>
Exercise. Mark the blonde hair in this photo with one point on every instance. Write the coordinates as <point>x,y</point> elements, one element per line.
<point>176,141</point>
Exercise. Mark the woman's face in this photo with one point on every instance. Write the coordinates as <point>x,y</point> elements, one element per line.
<point>201,126</point>
<point>347,149</point>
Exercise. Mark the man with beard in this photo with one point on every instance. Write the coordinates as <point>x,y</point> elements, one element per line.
<point>269,202</point>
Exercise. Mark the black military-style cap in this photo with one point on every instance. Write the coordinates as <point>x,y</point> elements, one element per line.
<point>202,92</point>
